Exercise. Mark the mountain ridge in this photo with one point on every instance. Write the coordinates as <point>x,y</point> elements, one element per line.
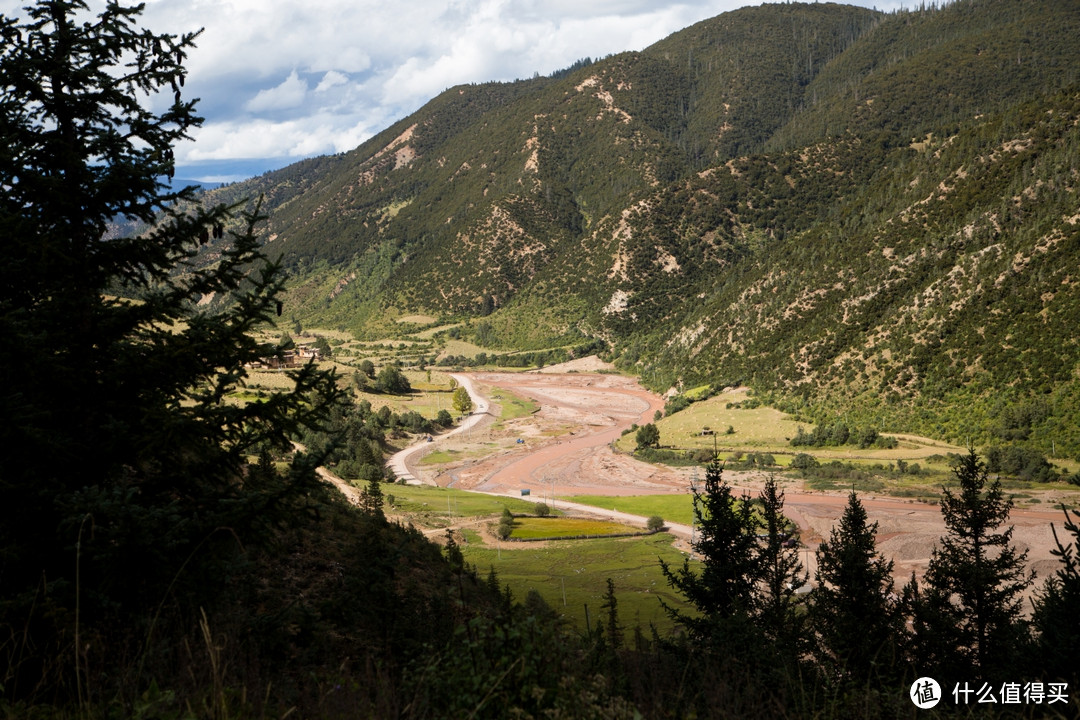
<point>820,200</point>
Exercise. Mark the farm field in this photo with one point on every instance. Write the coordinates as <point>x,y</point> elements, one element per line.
<point>550,567</point>
<point>531,528</point>
<point>571,575</point>
<point>432,502</point>
<point>766,429</point>
<point>673,508</point>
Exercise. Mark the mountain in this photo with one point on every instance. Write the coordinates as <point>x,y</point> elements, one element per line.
<point>856,213</point>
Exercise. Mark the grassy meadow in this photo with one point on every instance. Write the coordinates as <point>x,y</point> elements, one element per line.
<point>572,574</point>
<point>578,567</point>
<point>737,431</point>
<point>536,528</point>
<point>673,508</point>
<point>428,501</point>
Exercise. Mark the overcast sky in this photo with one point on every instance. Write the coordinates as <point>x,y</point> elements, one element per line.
<point>280,80</point>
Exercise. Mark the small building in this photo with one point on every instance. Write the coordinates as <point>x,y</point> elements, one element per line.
<point>308,352</point>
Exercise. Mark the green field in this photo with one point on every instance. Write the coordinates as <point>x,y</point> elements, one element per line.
<point>513,405</point>
<point>453,346</point>
<point>432,502</point>
<point>760,428</point>
<point>767,429</point>
<point>577,570</point>
<point>673,508</point>
<point>527,528</point>
<point>441,457</point>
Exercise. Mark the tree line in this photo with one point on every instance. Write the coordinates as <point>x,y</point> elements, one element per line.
<point>963,622</point>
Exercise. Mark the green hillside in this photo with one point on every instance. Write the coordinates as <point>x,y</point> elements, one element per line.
<point>852,212</point>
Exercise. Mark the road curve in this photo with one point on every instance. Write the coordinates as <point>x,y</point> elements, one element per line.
<point>399,464</point>
<point>399,461</point>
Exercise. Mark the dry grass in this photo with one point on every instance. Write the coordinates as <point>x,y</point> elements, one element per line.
<point>416,319</point>
<point>765,429</point>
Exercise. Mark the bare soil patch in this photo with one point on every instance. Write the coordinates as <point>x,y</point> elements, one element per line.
<point>566,448</point>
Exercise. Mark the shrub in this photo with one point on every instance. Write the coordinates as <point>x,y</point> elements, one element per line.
<point>1020,462</point>
<point>675,404</point>
<point>648,436</point>
<point>703,456</point>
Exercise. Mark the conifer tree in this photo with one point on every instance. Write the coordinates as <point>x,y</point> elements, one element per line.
<point>121,460</point>
<point>778,607</point>
<point>1057,609</point>
<point>454,557</point>
<point>371,497</point>
<point>610,606</point>
<point>852,609</point>
<point>727,544</point>
<point>975,580</point>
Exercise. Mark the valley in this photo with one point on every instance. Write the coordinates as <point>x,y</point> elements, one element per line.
<point>570,448</point>
<point>645,339</point>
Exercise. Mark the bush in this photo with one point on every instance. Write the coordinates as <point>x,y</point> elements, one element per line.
<point>802,461</point>
<point>703,456</point>
<point>655,523</point>
<point>675,404</point>
<point>542,509</point>
<point>1020,462</point>
<point>648,436</point>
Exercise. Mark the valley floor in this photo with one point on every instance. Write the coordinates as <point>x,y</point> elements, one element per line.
<point>565,447</point>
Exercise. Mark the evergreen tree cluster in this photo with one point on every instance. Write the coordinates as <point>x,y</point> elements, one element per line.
<point>854,631</point>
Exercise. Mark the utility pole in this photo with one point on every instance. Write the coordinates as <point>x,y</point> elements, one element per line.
<point>693,518</point>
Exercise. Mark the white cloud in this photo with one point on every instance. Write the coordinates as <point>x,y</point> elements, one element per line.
<point>289,94</point>
<point>331,79</point>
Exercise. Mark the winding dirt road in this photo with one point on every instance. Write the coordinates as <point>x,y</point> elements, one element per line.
<point>404,463</point>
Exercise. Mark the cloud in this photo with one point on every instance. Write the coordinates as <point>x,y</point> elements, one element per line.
<point>289,94</point>
<point>330,80</point>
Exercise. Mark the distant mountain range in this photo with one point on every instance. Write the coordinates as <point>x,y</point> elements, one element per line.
<point>861,215</point>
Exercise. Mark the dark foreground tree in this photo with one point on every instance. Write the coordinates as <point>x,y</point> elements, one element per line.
<point>853,610</point>
<point>124,474</point>
<point>1057,609</point>
<point>779,611</point>
<point>726,542</point>
<point>974,583</point>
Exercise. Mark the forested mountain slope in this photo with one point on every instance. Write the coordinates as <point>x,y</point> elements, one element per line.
<point>855,211</point>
